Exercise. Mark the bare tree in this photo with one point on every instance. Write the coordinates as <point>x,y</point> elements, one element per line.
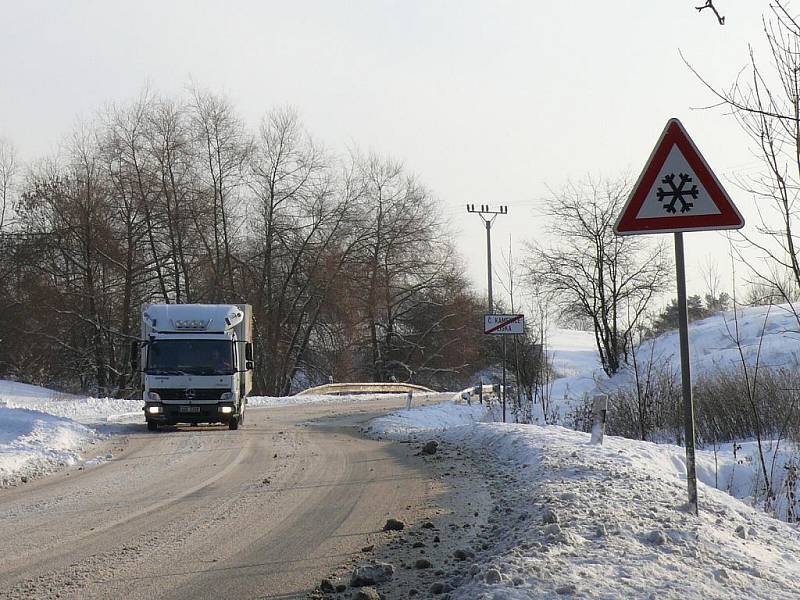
<point>67,205</point>
<point>8,173</point>
<point>765,100</point>
<point>303,232</point>
<point>346,262</point>
<point>406,257</point>
<point>222,147</point>
<point>181,210</point>
<point>591,272</point>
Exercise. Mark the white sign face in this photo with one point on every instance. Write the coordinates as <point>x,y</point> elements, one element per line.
<point>677,191</point>
<point>504,324</point>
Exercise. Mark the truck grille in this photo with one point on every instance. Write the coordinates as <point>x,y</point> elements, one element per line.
<point>189,394</point>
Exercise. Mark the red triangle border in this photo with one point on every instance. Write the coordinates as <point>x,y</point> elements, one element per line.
<point>675,134</point>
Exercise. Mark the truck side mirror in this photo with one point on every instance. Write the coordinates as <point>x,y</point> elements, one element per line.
<point>134,356</point>
<point>248,352</point>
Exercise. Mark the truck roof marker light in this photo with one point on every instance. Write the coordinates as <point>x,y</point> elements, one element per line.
<point>190,324</point>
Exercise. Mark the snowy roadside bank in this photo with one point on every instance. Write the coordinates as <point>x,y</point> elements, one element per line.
<point>574,519</point>
<point>33,443</point>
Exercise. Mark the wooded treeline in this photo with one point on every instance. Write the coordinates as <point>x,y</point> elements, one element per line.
<point>347,262</point>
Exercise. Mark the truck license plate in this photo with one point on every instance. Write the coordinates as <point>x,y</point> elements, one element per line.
<point>190,409</point>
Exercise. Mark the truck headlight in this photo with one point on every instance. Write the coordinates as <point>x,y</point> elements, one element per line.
<point>226,410</point>
<point>154,396</point>
<point>153,410</point>
<point>226,396</point>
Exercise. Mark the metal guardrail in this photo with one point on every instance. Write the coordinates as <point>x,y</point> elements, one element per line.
<point>339,389</point>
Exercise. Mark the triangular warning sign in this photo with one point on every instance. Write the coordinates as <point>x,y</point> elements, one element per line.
<point>677,191</point>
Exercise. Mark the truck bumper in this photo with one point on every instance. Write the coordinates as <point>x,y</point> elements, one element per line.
<point>172,414</point>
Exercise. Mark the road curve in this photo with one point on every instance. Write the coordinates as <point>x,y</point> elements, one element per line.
<point>263,512</point>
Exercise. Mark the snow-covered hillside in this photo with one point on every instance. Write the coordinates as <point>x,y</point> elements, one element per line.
<point>714,342</point>
<point>576,363</point>
<point>572,353</point>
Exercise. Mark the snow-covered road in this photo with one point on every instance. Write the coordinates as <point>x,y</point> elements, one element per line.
<point>265,511</point>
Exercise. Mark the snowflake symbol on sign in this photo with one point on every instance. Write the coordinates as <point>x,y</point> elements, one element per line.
<point>677,192</point>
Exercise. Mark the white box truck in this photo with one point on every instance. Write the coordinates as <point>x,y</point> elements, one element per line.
<point>196,363</point>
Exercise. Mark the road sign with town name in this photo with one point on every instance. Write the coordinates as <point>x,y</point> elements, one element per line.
<point>504,324</point>
<point>677,191</point>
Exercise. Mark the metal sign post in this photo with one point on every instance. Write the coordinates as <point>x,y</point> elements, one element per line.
<point>504,325</point>
<point>677,191</point>
<point>504,379</point>
<point>686,375</point>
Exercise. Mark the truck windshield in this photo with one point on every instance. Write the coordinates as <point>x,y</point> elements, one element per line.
<point>190,357</point>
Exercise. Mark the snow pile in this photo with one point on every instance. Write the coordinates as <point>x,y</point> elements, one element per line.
<point>87,410</point>
<point>426,420</point>
<point>576,362</point>
<point>575,519</point>
<point>16,390</point>
<point>33,443</point>
<point>608,522</point>
<point>771,330</point>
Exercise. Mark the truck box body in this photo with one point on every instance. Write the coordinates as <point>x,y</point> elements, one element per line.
<point>196,362</point>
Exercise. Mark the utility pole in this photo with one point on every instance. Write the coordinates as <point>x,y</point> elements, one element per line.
<point>485,210</point>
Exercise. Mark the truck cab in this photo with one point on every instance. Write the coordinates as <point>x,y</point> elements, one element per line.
<point>196,363</point>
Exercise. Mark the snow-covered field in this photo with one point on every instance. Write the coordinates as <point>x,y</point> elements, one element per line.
<point>573,352</point>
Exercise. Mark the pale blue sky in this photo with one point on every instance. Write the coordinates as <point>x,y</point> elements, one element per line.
<point>488,102</point>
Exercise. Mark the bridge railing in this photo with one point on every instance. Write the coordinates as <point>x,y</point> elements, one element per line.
<point>339,389</point>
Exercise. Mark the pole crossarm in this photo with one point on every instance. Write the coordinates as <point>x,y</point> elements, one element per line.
<point>485,209</point>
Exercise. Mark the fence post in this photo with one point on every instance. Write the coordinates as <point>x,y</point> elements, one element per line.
<point>408,399</point>
<point>599,426</point>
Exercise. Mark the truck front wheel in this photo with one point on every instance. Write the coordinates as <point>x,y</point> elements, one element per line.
<point>152,426</point>
<point>233,423</point>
